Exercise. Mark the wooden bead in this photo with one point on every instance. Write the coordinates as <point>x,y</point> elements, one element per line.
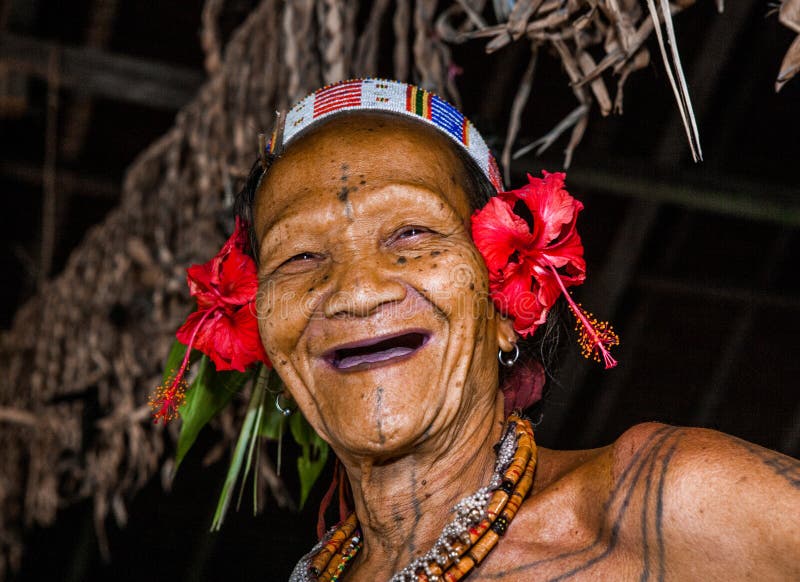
<point>334,544</point>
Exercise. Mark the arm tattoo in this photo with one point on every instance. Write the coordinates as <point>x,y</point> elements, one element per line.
<point>783,466</point>
<point>644,476</point>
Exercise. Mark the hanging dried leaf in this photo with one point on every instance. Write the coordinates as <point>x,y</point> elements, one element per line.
<point>521,13</point>
<point>368,44</point>
<point>640,61</point>
<point>790,65</point>
<point>547,140</point>
<point>598,86</point>
<point>574,28</point>
<point>520,101</point>
<point>402,26</point>
<point>789,14</point>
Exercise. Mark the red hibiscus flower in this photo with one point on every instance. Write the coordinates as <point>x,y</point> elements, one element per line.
<point>224,327</point>
<point>533,253</point>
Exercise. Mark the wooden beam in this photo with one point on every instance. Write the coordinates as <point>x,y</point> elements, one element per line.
<point>68,180</point>
<point>94,72</point>
<point>717,193</point>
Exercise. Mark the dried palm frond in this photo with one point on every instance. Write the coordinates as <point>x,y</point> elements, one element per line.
<point>575,30</point>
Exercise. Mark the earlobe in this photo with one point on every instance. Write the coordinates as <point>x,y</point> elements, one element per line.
<point>506,336</point>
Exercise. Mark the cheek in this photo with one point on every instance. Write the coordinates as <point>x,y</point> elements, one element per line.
<point>266,309</point>
<point>286,307</point>
<point>278,311</point>
<point>454,279</point>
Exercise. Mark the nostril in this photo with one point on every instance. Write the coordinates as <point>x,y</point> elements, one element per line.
<point>362,296</point>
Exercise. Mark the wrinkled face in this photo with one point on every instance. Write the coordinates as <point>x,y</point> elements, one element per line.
<point>372,298</point>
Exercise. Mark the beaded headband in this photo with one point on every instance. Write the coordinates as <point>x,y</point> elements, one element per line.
<point>395,97</point>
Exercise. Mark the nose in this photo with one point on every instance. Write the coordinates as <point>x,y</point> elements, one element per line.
<point>362,287</point>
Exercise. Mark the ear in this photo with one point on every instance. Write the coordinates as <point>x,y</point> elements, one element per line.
<point>506,336</point>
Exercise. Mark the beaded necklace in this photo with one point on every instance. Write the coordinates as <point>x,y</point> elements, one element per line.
<point>479,522</point>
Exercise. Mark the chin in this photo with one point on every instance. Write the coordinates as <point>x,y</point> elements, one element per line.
<point>384,413</point>
<point>384,437</point>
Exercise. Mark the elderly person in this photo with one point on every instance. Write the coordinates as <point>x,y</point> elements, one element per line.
<point>376,254</point>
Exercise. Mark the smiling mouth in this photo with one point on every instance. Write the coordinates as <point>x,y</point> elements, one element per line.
<point>367,354</point>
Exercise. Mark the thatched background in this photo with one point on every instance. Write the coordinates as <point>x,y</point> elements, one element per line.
<point>84,353</point>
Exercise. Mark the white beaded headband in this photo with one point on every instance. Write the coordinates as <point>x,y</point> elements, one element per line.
<point>396,97</point>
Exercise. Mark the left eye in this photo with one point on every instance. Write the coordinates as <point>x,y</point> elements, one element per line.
<point>412,231</point>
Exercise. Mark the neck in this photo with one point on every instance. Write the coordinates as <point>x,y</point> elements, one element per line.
<point>402,505</point>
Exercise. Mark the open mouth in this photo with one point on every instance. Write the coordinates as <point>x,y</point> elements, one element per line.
<point>368,353</point>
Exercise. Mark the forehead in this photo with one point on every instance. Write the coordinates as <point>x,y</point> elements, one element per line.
<point>362,151</point>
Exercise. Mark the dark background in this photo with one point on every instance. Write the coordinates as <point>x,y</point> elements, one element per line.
<point>694,263</point>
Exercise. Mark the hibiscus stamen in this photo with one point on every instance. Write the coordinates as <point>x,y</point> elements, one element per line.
<point>595,337</point>
<point>170,396</point>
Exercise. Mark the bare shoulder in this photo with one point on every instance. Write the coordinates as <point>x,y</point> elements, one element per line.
<point>713,498</point>
<point>698,456</point>
<point>661,502</point>
<point>693,462</point>
<point>701,471</point>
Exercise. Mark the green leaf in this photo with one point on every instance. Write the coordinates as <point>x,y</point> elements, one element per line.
<point>301,430</point>
<point>174,359</point>
<point>313,457</point>
<point>209,393</point>
<point>252,446</point>
<point>243,445</point>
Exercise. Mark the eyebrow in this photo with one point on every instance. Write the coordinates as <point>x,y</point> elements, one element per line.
<point>435,201</point>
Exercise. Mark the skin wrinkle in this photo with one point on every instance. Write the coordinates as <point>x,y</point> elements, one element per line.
<point>417,435</point>
<point>379,413</point>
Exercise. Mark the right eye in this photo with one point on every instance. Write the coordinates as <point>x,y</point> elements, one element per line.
<point>300,257</point>
<point>299,262</point>
<point>412,231</point>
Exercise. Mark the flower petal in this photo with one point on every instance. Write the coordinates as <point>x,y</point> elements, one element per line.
<point>551,206</point>
<point>246,324</point>
<point>512,295</point>
<point>230,277</point>
<point>217,339</point>
<point>185,332</point>
<point>198,278</point>
<point>498,233</point>
<point>230,338</point>
<point>238,282</point>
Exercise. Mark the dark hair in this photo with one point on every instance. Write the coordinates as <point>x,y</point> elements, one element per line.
<point>542,347</point>
<point>246,197</point>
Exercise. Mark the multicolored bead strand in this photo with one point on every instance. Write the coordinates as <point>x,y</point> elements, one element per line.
<point>333,545</point>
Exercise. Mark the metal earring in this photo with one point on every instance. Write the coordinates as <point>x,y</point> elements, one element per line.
<point>508,359</point>
<point>284,411</point>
